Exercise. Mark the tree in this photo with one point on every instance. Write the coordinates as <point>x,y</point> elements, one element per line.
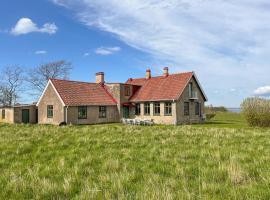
<point>39,76</point>
<point>10,85</point>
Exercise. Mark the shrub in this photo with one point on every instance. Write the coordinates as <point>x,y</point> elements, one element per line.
<point>210,116</point>
<point>256,111</point>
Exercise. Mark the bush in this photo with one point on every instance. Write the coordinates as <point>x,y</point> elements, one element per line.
<point>210,116</point>
<point>256,111</point>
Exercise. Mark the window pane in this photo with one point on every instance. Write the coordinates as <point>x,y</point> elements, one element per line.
<point>168,108</point>
<point>190,89</point>
<point>102,111</point>
<point>127,91</point>
<point>3,114</point>
<point>49,111</point>
<point>147,108</point>
<point>197,108</point>
<point>82,112</point>
<point>157,108</point>
<point>138,109</point>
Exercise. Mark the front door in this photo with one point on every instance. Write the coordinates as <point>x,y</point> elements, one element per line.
<point>126,112</point>
<point>25,116</point>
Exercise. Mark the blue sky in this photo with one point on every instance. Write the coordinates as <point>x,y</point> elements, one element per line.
<point>225,42</point>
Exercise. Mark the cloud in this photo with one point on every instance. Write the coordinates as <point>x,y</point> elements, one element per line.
<point>26,25</point>
<point>262,91</point>
<point>41,52</point>
<point>104,51</point>
<point>225,41</point>
<point>86,54</point>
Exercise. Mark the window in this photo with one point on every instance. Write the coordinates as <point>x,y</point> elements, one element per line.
<point>138,109</point>
<point>156,108</point>
<point>102,111</point>
<point>82,112</point>
<point>50,111</point>
<point>168,108</point>
<point>190,89</point>
<point>197,108</point>
<point>127,91</point>
<point>3,114</point>
<point>186,108</point>
<point>146,108</point>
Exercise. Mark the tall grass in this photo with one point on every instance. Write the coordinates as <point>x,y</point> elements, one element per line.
<point>256,111</point>
<point>126,162</point>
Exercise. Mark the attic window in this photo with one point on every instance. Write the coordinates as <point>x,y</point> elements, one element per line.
<point>190,89</point>
<point>127,91</point>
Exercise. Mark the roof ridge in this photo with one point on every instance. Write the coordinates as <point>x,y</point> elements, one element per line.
<point>73,81</point>
<point>173,74</point>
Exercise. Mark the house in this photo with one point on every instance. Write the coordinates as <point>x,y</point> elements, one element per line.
<point>166,99</point>
<point>19,113</point>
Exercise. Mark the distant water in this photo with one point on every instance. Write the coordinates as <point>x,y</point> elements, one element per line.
<point>235,110</point>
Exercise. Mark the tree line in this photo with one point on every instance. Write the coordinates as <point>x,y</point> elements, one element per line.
<point>15,80</point>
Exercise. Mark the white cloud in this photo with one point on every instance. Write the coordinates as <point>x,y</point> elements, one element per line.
<point>104,51</point>
<point>225,41</point>
<point>262,91</point>
<point>86,54</point>
<point>41,52</point>
<point>232,90</point>
<point>26,25</point>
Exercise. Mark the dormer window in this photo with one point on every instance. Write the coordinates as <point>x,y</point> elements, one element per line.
<point>127,91</point>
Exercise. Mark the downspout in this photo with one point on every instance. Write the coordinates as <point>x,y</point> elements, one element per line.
<point>175,120</point>
<point>66,115</point>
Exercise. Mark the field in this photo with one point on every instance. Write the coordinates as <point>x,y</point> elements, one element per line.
<point>223,159</point>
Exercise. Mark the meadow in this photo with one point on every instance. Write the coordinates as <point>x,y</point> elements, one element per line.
<point>222,159</point>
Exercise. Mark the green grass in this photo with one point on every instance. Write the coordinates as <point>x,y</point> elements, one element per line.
<point>126,162</point>
<point>226,120</point>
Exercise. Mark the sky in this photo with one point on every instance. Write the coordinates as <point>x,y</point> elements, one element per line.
<point>226,42</point>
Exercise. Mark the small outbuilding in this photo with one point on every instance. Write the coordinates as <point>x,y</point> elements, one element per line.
<point>19,113</point>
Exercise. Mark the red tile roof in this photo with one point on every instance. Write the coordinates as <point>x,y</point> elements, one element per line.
<point>74,93</point>
<point>160,88</point>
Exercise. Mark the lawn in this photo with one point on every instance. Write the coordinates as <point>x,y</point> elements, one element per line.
<point>218,160</point>
<point>226,120</point>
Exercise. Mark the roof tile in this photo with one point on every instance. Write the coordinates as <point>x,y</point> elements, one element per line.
<point>160,88</point>
<point>75,93</point>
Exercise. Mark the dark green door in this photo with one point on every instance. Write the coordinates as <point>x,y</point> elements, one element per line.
<point>126,112</point>
<point>25,116</point>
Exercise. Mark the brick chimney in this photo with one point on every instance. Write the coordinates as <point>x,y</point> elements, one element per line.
<point>165,71</point>
<point>100,77</point>
<point>148,74</point>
